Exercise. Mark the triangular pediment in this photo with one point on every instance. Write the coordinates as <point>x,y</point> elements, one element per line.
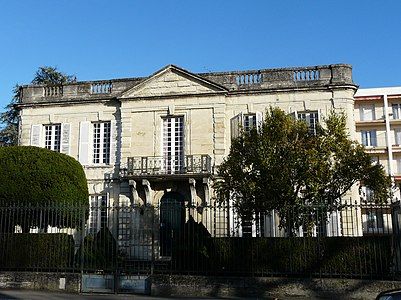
<point>171,81</point>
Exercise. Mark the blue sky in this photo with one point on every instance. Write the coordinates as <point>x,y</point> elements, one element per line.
<point>114,39</point>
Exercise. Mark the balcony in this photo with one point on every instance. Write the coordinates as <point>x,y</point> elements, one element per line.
<point>162,166</point>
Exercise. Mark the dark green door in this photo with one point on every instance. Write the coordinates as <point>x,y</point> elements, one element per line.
<point>172,219</point>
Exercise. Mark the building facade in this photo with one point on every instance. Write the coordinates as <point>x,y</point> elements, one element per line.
<point>378,128</point>
<point>159,140</point>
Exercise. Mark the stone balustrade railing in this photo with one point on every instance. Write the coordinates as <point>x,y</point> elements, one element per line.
<point>268,79</point>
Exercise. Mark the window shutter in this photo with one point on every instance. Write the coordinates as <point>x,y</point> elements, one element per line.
<point>294,115</point>
<point>65,138</point>
<point>84,130</point>
<point>236,125</point>
<point>259,120</point>
<point>36,131</point>
<point>114,155</point>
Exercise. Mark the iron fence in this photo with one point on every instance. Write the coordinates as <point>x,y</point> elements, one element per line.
<point>359,240</point>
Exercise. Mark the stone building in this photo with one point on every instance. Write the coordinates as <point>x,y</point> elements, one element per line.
<point>158,140</point>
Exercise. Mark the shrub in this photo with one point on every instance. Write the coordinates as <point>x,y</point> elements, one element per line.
<point>35,178</point>
<point>45,252</point>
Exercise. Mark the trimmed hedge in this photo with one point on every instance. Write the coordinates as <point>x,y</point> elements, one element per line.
<point>37,177</point>
<point>41,251</point>
<point>307,256</point>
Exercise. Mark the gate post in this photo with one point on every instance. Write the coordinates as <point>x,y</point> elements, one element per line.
<point>152,263</point>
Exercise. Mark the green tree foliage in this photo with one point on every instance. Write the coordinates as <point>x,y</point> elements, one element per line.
<point>282,166</point>
<point>9,118</point>
<point>50,186</point>
<point>50,75</point>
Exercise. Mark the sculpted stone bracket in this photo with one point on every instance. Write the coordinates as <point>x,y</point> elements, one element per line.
<point>192,189</point>
<point>134,192</point>
<point>148,191</point>
<point>206,186</point>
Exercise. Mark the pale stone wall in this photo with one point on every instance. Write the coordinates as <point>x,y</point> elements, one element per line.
<point>207,109</point>
<point>74,115</point>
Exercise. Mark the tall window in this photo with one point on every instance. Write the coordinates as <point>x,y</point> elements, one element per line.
<point>97,213</point>
<point>397,136</point>
<point>249,122</point>
<point>173,144</point>
<point>396,110</point>
<point>374,221</point>
<point>369,138</point>
<point>101,142</point>
<point>367,113</point>
<point>53,137</point>
<point>311,118</point>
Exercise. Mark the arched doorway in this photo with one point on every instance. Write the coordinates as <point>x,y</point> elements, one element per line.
<point>172,219</point>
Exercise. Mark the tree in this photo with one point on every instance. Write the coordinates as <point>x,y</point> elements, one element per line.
<point>281,165</point>
<point>40,187</point>
<point>9,118</point>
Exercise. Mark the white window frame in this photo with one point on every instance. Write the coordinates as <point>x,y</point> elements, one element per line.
<point>397,136</point>
<point>249,122</point>
<point>367,194</point>
<point>311,118</point>
<point>396,109</point>
<point>367,112</point>
<point>173,137</point>
<point>245,122</point>
<point>369,138</point>
<point>52,137</point>
<point>101,149</point>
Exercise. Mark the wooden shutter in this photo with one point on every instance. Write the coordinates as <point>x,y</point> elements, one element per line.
<point>259,120</point>
<point>237,123</point>
<point>36,132</point>
<point>114,153</point>
<point>65,138</point>
<point>84,135</point>
<point>294,115</point>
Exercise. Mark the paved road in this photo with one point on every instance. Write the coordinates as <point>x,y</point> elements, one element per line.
<point>42,295</point>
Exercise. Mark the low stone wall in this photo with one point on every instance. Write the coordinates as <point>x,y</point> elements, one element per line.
<point>209,286</point>
<point>269,287</point>
<point>69,282</point>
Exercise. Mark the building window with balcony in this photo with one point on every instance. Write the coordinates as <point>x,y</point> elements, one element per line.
<point>173,144</point>
<point>369,138</point>
<point>396,111</point>
<point>53,137</point>
<point>311,118</point>
<point>367,113</point>
<point>101,142</point>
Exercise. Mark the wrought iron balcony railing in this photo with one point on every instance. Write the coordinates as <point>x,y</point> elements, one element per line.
<point>167,165</point>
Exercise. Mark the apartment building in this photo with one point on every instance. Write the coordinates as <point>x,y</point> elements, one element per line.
<point>158,140</point>
<point>378,127</point>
